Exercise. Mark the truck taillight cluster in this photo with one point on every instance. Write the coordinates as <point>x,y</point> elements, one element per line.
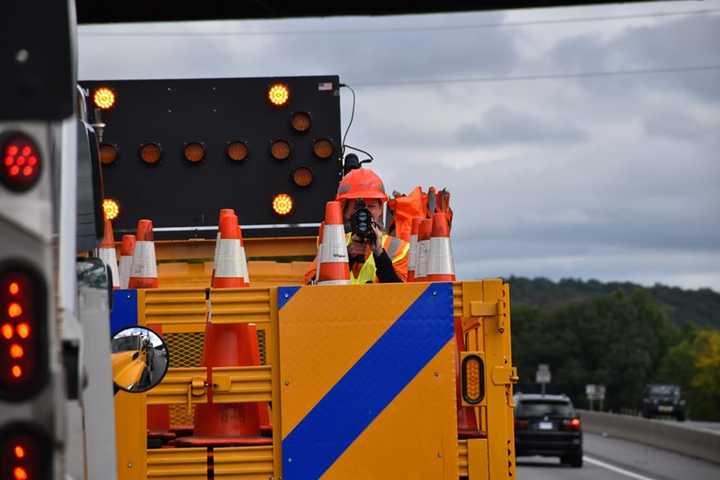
<point>24,453</point>
<point>23,369</point>
<point>21,162</point>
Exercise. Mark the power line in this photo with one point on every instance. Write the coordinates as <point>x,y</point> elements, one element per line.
<point>550,76</point>
<point>409,29</point>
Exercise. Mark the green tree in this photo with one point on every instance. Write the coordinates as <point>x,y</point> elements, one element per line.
<point>617,340</point>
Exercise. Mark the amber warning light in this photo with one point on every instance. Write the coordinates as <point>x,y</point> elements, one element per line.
<point>279,94</point>
<point>111,209</point>
<point>282,204</point>
<point>104,98</point>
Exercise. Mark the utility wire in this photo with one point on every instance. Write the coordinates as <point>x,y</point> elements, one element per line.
<point>551,76</point>
<point>352,116</point>
<point>337,31</point>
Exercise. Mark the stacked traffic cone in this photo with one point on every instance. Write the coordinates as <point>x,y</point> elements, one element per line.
<point>423,250</point>
<point>127,249</point>
<point>227,424</point>
<point>158,416</point>
<point>143,271</point>
<point>106,253</point>
<point>334,267</point>
<point>231,265</point>
<point>223,212</point>
<point>229,345</point>
<point>413,253</point>
<point>243,258</point>
<point>441,266</point>
<point>466,419</point>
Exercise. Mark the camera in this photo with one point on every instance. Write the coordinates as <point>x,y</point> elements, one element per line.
<point>361,223</point>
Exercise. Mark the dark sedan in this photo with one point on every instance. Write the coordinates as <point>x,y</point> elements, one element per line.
<point>548,425</point>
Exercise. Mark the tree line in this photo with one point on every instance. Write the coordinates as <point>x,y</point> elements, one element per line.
<point>621,335</point>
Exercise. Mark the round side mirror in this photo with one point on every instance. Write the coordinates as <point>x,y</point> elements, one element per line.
<point>139,359</point>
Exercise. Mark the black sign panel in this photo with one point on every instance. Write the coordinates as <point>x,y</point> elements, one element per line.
<point>37,60</point>
<point>202,118</point>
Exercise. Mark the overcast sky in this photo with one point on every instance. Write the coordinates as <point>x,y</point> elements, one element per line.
<point>612,177</point>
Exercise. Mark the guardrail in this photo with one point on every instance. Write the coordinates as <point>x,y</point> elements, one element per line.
<point>666,435</point>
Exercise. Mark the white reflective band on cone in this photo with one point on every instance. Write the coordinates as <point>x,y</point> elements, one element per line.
<point>217,247</point>
<point>423,250</point>
<point>440,261</point>
<point>412,255</point>
<point>228,259</point>
<point>244,265</point>
<point>334,282</point>
<point>334,249</point>
<point>317,263</point>
<point>108,256</point>
<point>125,265</point>
<point>143,264</point>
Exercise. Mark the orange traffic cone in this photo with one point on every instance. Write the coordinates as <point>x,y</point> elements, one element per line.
<point>158,416</point>
<point>223,212</point>
<point>441,266</point>
<point>413,254</point>
<point>127,249</point>
<point>106,253</point>
<point>143,271</point>
<point>466,419</point>
<point>334,266</point>
<point>320,241</point>
<point>227,424</point>
<point>242,258</point>
<point>423,250</point>
<point>231,267</point>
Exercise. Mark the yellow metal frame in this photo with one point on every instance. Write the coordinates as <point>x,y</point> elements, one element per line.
<point>482,306</point>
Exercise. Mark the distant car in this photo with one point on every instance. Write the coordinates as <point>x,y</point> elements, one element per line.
<point>663,400</point>
<point>548,425</point>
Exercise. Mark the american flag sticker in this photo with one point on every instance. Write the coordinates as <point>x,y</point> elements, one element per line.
<point>325,86</point>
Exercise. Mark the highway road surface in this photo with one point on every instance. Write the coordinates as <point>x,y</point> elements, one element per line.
<point>614,459</point>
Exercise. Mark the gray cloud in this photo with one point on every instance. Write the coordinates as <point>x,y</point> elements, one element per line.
<point>612,177</point>
<point>682,42</point>
<point>675,124</point>
<point>500,125</point>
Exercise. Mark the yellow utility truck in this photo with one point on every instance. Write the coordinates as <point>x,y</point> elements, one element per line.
<point>360,381</point>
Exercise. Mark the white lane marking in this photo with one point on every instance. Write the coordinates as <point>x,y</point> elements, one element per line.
<point>619,470</point>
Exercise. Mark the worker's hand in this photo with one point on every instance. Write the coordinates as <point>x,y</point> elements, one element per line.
<point>377,247</point>
<point>356,247</point>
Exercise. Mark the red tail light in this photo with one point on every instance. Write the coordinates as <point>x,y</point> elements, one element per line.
<point>23,369</point>
<point>572,424</point>
<point>21,162</point>
<point>521,424</point>
<point>24,453</point>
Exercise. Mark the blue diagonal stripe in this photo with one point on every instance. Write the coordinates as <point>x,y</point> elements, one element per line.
<point>285,294</point>
<point>370,385</point>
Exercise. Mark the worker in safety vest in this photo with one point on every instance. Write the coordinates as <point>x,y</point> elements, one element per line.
<point>378,257</point>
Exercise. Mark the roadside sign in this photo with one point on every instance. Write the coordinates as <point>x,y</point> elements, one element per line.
<point>542,375</point>
<point>595,392</point>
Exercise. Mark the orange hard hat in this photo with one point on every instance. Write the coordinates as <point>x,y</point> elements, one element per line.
<point>361,183</point>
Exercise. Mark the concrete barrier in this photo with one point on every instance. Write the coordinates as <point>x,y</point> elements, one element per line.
<point>671,436</point>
